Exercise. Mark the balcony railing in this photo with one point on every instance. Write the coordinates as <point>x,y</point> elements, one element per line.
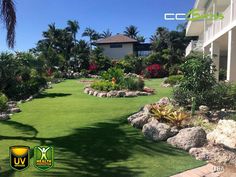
<point>219,25</point>
<point>194,46</point>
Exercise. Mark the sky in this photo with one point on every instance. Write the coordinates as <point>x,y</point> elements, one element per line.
<point>33,17</point>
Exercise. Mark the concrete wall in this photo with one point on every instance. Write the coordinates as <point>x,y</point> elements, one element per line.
<point>117,53</point>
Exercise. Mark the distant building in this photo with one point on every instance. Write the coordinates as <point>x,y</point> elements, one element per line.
<point>118,46</point>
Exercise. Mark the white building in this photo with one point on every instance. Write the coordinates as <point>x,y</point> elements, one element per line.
<point>216,37</point>
<point>118,46</point>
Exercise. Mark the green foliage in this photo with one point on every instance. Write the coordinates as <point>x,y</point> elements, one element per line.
<point>20,75</point>
<point>132,64</point>
<point>133,83</point>
<point>173,80</point>
<point>102,62</point>
<point>153,58</point>
<point>222,74</point>
<point>168,113</point>
<point>104,85</point>
<point>199,82</point>
<point>3,102</point>
<point>111,73</point>
<point>201,122</point>
<point>174,69</point>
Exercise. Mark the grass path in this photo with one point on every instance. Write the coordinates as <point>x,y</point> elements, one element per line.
<point>90,135</point>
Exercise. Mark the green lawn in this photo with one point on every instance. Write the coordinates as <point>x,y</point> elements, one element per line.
<point>91,136</point>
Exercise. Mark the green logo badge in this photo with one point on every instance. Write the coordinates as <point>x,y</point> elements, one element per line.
<point>43,157</point>
<point>19,157</point>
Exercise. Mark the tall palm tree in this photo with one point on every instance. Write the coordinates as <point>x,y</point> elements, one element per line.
<point>106,34</point>
<point>8,15</point>
<point>73,27</point>
<point>131,31</point>
<point>92,34</point>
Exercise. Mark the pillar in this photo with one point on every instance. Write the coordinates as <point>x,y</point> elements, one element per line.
<point>231,60</point>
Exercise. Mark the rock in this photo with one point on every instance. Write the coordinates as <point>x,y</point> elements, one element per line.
<point>188,138</point>
<point>91,92</point>
<point>130,94</point>
<point>95,93</point>
<point>224,133</point>
<point>203,109</point>
<point>214,154</point>
<point>165,85</point>
<point>121,93</point>
<point>102,94</point>
<point>14,110</point>
<point>138,120</point>
<point>86,90</point>
<point>112,94</point>
<point>157,131</point>
<point>4,116</point>
<point>147,108</point>
<point>29,99</point>
<point>143,93</point>
<point>164,101</point>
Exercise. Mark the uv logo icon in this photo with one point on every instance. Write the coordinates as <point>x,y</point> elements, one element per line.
<point>43,157</point>
<point>19,157</point>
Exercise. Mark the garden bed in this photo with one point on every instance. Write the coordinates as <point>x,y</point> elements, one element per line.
<point>208,140</point>
<point>115,93</point>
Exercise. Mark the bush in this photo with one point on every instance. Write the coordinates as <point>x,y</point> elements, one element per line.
<point>155,71</point>
<point>131,64</point>
<point>111,73</point>
<point>3,102</point>
<point>174,70</point>
<point>133,83</point>
<point>199,82</point>
<point>105,86</point>
<point>173,80</point>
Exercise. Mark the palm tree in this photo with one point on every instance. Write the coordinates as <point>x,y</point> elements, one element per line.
<point>131,31</point>
<point>106,34</point>
<point>73,27</point>
<point>140,38</point>
<point>8,15</point>
<point>92,34</point>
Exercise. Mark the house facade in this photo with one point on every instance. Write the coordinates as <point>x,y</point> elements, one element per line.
<point>216,37</point>
<point>118,46</point>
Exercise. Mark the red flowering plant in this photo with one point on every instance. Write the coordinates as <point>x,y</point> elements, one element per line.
<point>155,71</point>
<point>92,68</point>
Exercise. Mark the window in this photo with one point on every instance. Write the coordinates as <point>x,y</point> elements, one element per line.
<point>116,46</point>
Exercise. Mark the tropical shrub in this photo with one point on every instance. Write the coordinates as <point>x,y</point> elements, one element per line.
<point>168,113</point>
<point>155,71</point>
<point>173,80</point>
<point>174,69</point>
<point>104,85</point>
<point>113,73</point>
<point>199,82</point>
<point>153,59</point>
<point>133,83</point>
<point>132,64</point>
<point>3,102</point>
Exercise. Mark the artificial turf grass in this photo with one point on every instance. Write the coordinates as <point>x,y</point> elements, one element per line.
<point>91,135</point>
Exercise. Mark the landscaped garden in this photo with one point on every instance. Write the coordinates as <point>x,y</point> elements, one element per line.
<point>90,135</point>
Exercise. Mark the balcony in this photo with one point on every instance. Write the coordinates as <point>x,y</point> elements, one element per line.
<point>218,26</point>
<point>194,46</point>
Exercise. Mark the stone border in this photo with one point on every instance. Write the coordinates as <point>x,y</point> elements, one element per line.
<point>115,93</point>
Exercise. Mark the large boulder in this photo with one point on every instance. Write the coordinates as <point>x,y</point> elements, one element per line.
<point>14,110</point>
<point>188,138</point>
<point>214,154</point>
<point>225,133</point>
<point>139,119</point>
<point>4,116</point>
<point>158,131</point>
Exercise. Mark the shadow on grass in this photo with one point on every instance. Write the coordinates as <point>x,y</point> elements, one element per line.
<point>97,150</point>
<point>52,95</point>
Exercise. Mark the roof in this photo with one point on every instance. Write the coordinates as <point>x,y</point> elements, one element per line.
<point>116,39</point>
